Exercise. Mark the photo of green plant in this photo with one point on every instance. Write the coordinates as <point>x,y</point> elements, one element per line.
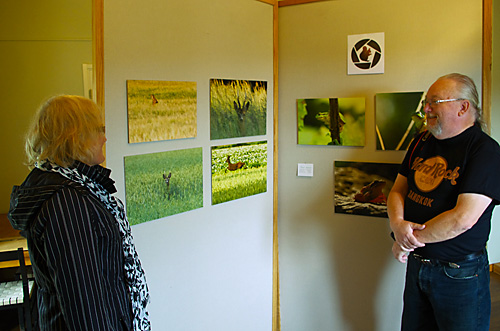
<point>238,171</point>
<point>163,184</point>
<point>238,108</point>
<point>333,121</point>
<point>398,118</point>
<point>160,110</point>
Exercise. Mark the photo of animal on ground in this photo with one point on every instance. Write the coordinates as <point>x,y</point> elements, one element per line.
<point>160,110</point>
<point>238,108</point>
<point>398,118</point>
<point>238,171</point>
<point>163,184</point>
<point>331,121</point>
<point>361,188</point>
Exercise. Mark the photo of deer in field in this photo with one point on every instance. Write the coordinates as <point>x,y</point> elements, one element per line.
<point>160,110</point>
<point>238,171</point>
<point>238,108</point>
<point>163,184</point>
<point>331,121</point>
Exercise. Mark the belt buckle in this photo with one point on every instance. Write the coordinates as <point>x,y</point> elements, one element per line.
<point>426,261</point>
<point>423,260</point>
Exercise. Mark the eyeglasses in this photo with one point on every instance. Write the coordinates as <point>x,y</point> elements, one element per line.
<point>436,102</point>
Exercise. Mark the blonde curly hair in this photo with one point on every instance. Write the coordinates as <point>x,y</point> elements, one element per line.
<point>63,130</point>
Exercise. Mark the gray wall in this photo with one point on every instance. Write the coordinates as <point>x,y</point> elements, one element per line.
<point>211,268</point>
<point>337,270</point>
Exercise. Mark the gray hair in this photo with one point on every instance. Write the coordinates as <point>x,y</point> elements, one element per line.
<point>467,90</point>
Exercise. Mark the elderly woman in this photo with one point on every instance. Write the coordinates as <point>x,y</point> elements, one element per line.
<point>85,264</point>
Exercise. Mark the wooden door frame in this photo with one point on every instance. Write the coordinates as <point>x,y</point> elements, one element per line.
<point>487,61</point>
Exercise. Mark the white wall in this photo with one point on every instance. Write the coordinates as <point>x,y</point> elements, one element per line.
<point>211,268</point>
<point>336,270</point>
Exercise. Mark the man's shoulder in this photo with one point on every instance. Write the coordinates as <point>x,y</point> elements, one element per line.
<point>486,141</point>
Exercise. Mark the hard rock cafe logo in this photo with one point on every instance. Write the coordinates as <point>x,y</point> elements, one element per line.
<point>431,172</point>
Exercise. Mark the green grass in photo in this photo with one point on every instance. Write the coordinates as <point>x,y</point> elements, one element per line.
<point>161,110</point>
<point>147,195</point>
<point>249,180</point>
<point>224,120</point>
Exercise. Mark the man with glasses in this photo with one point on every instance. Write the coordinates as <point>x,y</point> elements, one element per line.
<point>440,212</point>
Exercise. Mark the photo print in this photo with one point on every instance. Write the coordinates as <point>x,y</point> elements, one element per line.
<point>361,188</point>
<point>160,110</point>
<point>238,171</point>
<point>334,121</point>
<point>163,184</point>
<point>238,108</point>
<point>398,118</point>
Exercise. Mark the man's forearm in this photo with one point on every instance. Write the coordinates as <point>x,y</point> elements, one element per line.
<point>440,228</point>
<point>456,221</point>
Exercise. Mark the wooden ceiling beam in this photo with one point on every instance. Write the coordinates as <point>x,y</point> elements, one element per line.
<point>283,3</point>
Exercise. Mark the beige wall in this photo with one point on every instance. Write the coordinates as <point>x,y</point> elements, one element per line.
<point>336,270</point>
<point>42,48</point>
<point>209,268</point>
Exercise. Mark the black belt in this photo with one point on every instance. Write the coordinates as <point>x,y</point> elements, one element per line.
<point>455,264</point>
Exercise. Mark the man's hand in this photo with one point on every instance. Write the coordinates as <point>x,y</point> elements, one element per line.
<point>403,230</point>
<point>404,234</point>
<point>399,253</point>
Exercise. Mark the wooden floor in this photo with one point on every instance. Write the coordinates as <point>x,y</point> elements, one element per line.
<point>495,301</point>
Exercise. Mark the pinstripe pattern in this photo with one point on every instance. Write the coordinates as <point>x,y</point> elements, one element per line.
<point>77,256</point>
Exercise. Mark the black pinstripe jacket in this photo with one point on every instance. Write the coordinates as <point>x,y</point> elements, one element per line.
<point>76,252</point>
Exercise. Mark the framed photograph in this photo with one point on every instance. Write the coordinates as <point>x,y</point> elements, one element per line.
<point>238,171</point>
<point>361,188</point>
<point>160,110</point>
<point>163,184</point>
<point>238,108</point>
<point>398,118</point>
<point>333,121</point>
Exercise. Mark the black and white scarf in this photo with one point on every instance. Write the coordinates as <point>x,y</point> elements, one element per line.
<point>96,179</point>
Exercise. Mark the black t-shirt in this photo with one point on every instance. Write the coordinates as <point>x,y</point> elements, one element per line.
<point>438,171</point>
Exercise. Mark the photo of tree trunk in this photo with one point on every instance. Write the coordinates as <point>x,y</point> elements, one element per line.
<point>333,121</point>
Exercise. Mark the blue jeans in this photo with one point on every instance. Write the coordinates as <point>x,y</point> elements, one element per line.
<point>440,296</point>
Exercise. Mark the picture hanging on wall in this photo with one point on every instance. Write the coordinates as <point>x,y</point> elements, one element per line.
<point>160,110</point>
<point>238,108</point>
<point>238,171</point>
<point>398,118</point>
<point>163,184</point>
<point>361,188</point>
<point>365,54</point>
<point>334,121</point>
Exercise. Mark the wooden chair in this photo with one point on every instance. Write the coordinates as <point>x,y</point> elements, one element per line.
<point>16,293</point>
